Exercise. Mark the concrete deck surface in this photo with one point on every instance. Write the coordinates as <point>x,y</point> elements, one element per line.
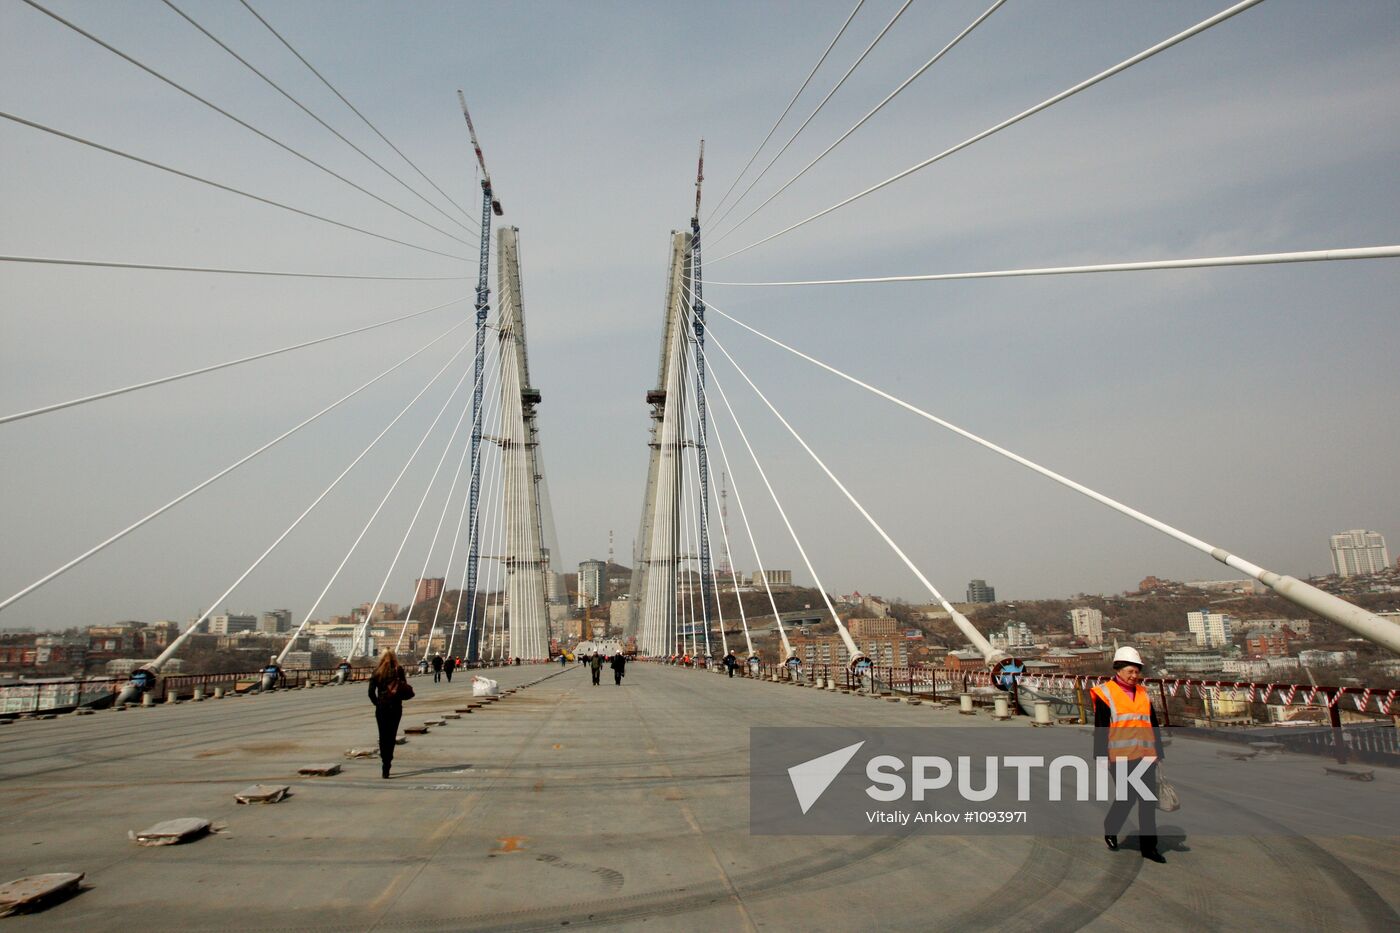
<point>573,805</point>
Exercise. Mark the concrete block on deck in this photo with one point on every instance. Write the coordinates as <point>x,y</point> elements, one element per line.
<point>35,892</point>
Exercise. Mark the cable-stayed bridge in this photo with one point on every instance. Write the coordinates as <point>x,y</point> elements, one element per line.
<point>563,803</point>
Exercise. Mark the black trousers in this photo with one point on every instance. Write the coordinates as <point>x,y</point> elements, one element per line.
<point>387,716</point>
<point>437,676</point>
<point>597,671</point>
<point>1147,809</point>
<point>731,670</point>
<point>448,672</point>
<point>617,677</point>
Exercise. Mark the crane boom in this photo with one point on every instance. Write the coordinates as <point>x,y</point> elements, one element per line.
<point>480,158</point>
<point>699,177</point>
<point>472,130</point>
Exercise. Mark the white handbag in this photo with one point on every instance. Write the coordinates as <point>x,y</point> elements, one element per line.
<point>1167,799</point>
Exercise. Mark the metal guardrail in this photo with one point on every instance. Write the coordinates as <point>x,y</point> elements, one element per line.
<point>1069,695</point>
<point>41,697</point>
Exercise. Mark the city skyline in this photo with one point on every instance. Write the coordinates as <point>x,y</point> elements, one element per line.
<point>1118,381</point>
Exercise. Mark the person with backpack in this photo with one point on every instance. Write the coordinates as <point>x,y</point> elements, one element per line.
<point>388,689</point>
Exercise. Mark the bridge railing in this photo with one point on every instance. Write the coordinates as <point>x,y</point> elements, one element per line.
<point>1169,694</point>
<point>47,696</point>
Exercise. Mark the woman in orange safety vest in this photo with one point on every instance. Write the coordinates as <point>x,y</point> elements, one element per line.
<point>1125,727</point>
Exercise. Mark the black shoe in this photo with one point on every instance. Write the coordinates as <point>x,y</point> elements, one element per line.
<point>1111,842</point>
<point>1154,856</point>
<point>385,772</point>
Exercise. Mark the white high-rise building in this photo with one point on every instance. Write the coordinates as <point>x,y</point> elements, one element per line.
<point>1088,624</point>
<point>1358,552</point>
<point>1212,629</point>
<point>592,582</point>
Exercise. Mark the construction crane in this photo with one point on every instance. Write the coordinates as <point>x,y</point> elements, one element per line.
<point>701,442</point>
<point>489,205</point>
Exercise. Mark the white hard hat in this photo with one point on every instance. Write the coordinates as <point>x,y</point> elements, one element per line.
<point>1129,655</point>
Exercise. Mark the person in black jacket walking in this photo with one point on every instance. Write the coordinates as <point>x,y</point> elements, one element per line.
<point>388,688</point>
<point>619,666</point>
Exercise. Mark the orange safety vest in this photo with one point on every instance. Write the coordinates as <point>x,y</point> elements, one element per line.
<point>1130,729</point>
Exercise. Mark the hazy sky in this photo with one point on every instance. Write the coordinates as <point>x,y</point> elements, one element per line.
<point>1255,408</point>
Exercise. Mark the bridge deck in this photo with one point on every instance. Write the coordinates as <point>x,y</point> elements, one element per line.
<point>572,805</point>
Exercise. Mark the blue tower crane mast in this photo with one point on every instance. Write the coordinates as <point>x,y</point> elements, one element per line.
<point>701,442</point>
<point>489,205</point>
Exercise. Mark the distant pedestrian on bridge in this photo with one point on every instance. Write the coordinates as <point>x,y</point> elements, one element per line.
<point>730,662</point>
<point>388,688</point>
<point>448,667</point>
<point>437,668</point>
<point>595,664</point>
<point>1125,730</point>
<point>619,666</point>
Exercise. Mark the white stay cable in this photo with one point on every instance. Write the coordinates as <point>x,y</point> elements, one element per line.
<point>496,571</point>
<point>473,534</point>
<point>702,530</point>
<point>861,122</point>
<point>17,416</point>
<point>818,109</point>
<point>218,601</point>
<point>685,594</point>
<point>122,154</point>
<point>306,110</point>
<point>437,532</point>
<point>758,558</point>
<point>356,112</point>
<point>1010,121</point>
<point>734,575</point>
<point>360,637</point>
<point>810,75</point>
<point>743,435</point>
<point>962,622</point>
<point>452,554</point>
<point>394,562</point>
<point>693,418</point>
<point>104,264</point>
<point>689,547</point>
<point>243,123</point>
<point>728,555</point>
<point>1303,594</point>
<point>219,475</point>
<point>1255,259</point>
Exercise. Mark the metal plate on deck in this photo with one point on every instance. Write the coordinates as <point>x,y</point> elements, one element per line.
<point>321,770</point>
<point>362,753</point>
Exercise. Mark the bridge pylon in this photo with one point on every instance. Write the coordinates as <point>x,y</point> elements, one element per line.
<point>656,576</point>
